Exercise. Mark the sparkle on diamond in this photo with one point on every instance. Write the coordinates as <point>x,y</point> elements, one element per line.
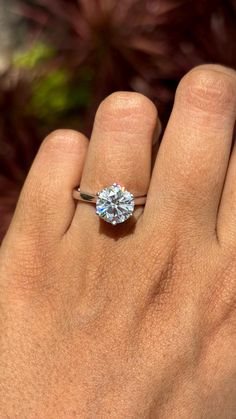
<point>114,204</point>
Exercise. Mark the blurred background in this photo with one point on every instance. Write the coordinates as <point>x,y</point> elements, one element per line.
<point>60,58</point>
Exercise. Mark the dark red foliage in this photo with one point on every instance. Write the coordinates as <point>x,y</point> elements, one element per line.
<point>144,45</point>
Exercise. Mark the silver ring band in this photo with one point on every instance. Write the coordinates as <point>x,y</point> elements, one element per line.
<point>92,199</point>
<point>114,204</point>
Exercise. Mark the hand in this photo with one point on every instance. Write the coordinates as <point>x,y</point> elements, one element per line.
<point>136,320</point>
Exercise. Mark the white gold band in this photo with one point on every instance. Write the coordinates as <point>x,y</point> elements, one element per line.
<point>92,199</point>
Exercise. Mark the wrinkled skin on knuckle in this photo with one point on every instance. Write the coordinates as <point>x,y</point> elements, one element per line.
<point>123,104</point>
<point>208,90</point>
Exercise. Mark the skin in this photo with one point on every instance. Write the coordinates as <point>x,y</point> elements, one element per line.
<point>137,320</point>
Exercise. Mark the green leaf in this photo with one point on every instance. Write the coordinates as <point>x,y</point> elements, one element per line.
<point>30,58</point>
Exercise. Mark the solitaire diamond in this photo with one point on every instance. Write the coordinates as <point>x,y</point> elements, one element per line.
<point>114,204</point>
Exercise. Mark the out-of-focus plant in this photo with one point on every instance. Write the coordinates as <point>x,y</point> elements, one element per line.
<point>144,45</point>
<point>34,55</point>
<point>75,52</point>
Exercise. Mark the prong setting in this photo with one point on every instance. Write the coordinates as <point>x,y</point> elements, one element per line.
<point>114,204</point>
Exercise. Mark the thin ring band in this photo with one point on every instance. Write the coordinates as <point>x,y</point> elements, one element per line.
<point>87,197</point>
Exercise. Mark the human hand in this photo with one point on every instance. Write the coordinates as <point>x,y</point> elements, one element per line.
<point>136,320</point>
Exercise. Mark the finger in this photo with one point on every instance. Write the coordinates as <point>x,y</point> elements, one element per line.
<point>46,206</point>
<point>192,161</point>
<point>120,148</point>
<point>226,225</point>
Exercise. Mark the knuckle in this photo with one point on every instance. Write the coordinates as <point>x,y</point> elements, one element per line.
<point>122,104</point>
<point>209,88</point>
<point>65,139</point>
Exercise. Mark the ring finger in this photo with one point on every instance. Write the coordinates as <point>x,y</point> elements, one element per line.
<point>119,151</point>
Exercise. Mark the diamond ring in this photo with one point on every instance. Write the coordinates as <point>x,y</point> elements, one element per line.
<point>114,204</point>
